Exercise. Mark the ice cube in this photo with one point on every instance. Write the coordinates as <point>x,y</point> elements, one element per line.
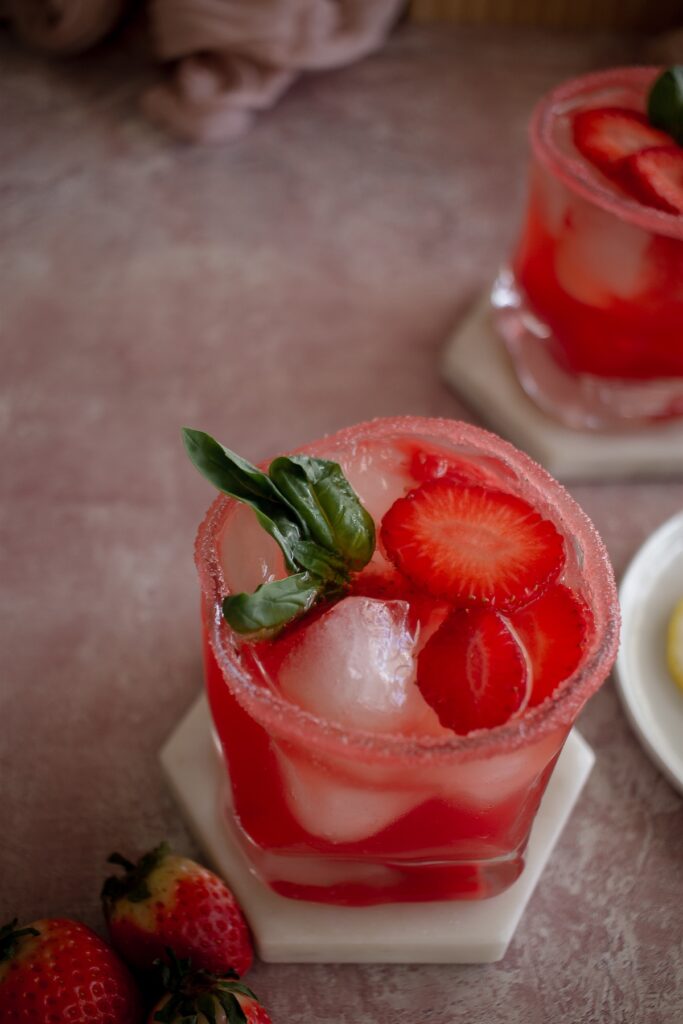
<point>485,782</point>
<point>553,200</point>
<point>600,258</point>
<point>379,475</point>
<point>355,666</point>
<point>333,807</point>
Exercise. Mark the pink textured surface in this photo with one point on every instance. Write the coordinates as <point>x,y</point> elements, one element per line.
<point>269,292</point>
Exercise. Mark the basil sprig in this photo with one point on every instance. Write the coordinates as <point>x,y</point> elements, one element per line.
<point>665,103</point>
<point>310,509</point>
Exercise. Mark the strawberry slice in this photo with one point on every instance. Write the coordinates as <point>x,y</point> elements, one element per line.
<point>553,631</point>
<point>606,135</point>
<point>655,177</point>
<point>384,584</point>
<point>472,671</point>
<point>472,544</point>
<point>435,465</point>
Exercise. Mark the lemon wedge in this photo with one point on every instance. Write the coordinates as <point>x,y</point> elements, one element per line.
<point>674,644</point>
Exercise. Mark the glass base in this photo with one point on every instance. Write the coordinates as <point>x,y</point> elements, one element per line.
<point>364,883</point>
<point>581,401</point>
<point>343,880</point>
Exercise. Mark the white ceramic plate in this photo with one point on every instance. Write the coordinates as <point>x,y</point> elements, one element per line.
<point>652,585</point>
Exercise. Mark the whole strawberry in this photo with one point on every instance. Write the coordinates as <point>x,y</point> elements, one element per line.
<point>200,997</point>
<point>57,971</point>
<point>169,901</point>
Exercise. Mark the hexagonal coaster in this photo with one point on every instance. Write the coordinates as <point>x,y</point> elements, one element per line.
<point>295,931</point>
<point>477,366</point>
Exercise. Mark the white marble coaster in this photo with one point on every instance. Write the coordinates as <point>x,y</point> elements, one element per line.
<point>294,931</point>
<point>477,366</point>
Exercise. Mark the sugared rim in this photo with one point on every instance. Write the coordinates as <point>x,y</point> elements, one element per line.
<point>574,172</point>
<point>291,722</point>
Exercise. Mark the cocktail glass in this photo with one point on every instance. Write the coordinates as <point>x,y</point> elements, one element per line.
<point>591,304</point>
<point>339,813</point>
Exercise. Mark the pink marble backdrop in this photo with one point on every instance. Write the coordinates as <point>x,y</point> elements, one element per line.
<point>268,292</point>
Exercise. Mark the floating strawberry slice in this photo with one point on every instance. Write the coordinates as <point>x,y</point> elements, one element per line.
<point>472,544</point>
<point>553,630</point>
<point>385,584</point>
<point>472,671</point>
<point>426,464</point>
<point>655,177</point>
<point>606,135</point>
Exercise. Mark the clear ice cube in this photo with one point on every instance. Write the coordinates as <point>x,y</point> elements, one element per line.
<point>600,259</point>
<point>379,476</point>
<point>355,666</point>
<point>331,806</point>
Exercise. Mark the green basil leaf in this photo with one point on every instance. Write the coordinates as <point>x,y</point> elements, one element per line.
<point>665,102</point>
<point>240,479</point>
<point>272,605</point>
<point>328,505</point>
<point>283,531</point>
<point>296,479</point>
<point>308,506</point>
<point>320,562</point>
<point>226,470</point>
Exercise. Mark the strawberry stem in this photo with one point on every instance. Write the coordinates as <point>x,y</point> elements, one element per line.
<point>123,862</point>
<point>193,993</point>
<point>9,936</point>
<point>133,885</point>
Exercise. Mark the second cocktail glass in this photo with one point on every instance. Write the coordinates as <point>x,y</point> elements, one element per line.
<point>591,304</point>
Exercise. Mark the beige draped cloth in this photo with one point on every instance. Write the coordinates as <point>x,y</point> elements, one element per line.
<point>228,59</point>
<point>236,57</point>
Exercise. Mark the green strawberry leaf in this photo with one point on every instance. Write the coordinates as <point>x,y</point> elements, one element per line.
<point>665,103</point>
<point>9,937</point>
<point>328,505</point>
<point>207,1006</point>
<point>187,1010</point>
<point>273,605</point>
<point>233,1011</point>
<point>167,1013</point>
<point>237,986</point>
<point>133,885</point>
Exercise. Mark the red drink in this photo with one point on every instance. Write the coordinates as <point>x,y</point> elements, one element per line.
<point>345,786</point>
<point>592,306</point>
